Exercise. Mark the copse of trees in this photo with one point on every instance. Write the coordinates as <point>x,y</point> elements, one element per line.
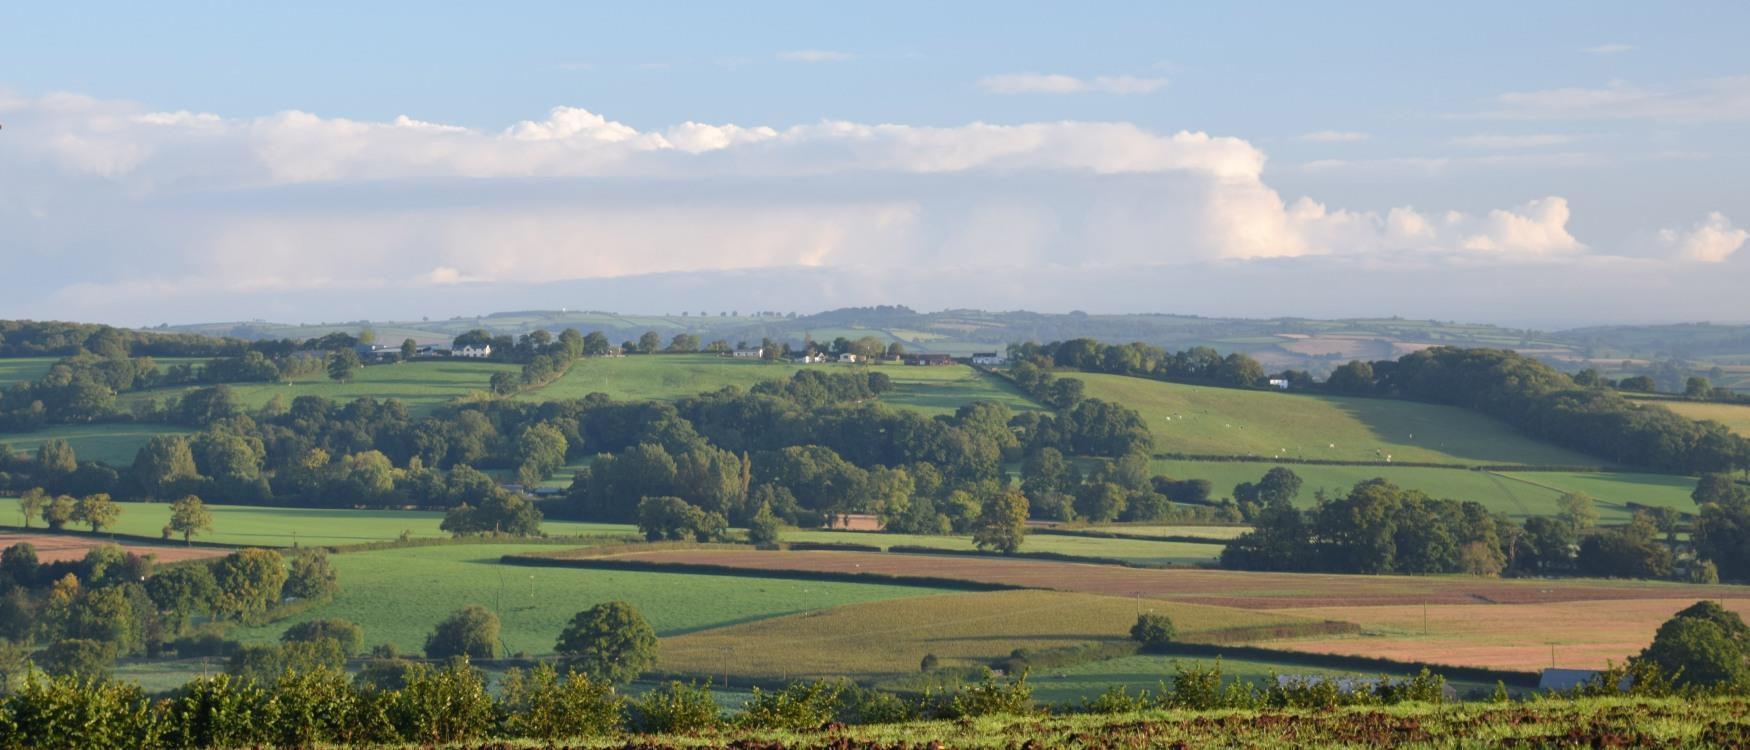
<point>1195,365</point>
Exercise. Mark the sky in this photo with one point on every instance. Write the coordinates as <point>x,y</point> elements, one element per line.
<point>1541,164</point>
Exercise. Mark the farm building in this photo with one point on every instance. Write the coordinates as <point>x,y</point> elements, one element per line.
<point>928,359</point>
<point>1280,384</point>
<point>855,522</point>
<point>848,359</point>
<point>473,352</point>
<point>807,358</point>
<point>755,353</point>
<point>989,359</point>
<point>432,350</point>
<point>376,352</point>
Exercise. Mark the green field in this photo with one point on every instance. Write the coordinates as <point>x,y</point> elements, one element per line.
<point>396,595</point>
<point>889,638</point>
<point>114,444</point>
<point>1149,529</point>
<point>1201,420</point>
<point>422,385</point>
<point>1734,416</point>
<point>1518,495</point>
<point>23,369</point>
<point>933,390</point>
<point>282,527</point>
<point>1131,550</point>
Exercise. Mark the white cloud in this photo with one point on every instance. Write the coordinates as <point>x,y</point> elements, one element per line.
<point>1612,48</point>
<point>1333,136</point>
<point>1712,240</point>
<point>1498,142</point>
<point>1725,99</point>
<point>815,56</point>
<point>1040,83</point>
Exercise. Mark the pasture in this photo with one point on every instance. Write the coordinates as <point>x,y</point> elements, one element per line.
<point>1736,417</point>
<point>254,526</point>
<point>884,639</point>
<point>667,377</point>
<point>397,595</point>
<point>23,369</point>
<point>1137,551</point>
<point>113,444</point>
<point>422,385</point>
<point>1200,420</point>
<point>1517,494</point>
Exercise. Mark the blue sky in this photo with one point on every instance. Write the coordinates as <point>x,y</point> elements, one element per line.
<point>200,161</point>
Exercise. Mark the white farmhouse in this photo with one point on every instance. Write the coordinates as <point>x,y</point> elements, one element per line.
<point>473,352</point>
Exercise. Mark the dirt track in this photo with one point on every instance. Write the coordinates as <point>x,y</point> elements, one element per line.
<point>62,547</point>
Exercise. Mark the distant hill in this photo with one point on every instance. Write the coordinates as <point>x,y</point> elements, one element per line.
<point>1668,352</point>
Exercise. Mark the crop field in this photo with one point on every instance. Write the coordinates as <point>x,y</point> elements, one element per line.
<point>1517,494</point>
<point>64,547</point>
<point>1226,588</point>
<point>888,638</point>
<point>1577,634</point>
<point>114,444</point>
<point>1130,550</point>
<point>21,369</point>
<point>397,595</point>
<point>423,386</point>
<point>245,525</point>
<point>932,390</point>
<point>1201,420</point>
<point>1734,416</point>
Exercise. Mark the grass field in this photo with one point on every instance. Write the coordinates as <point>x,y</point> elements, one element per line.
<point>114,444</point>
<point>1734,416</point>
<point>1130,550</point>
<point>1201,420</point>
<point>281,527</point>
<point>1145,529</point>
<point>423,386</point>
<point>22,369</point>
<point>932,390</point>
<point>1518,494</point>
<point>396,595</point>
<point>888,638</point>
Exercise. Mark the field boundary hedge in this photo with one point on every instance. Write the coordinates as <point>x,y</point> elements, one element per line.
<point>1350,663</point>
<point>647,566</point>
<point>1251,633</point>
<point>1098,534</point>
<point>1253,459</point>
<point>912,549</point>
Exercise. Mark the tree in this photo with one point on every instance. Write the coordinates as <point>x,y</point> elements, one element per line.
<point>1152,631</point>
<point>1718,488</point>
<point>409,349</point>
<point>189,516</point>
<point>56,458</point>
<point>31,504</point>
<point>471,631</point>
<point>648,342</point>
<point>342,364</point>
<point>596,344</point>
<point>98,511</point>
<point>764,528</point>
<point>1578,510</point>
<point>1697,387</point>
<point>249,580</point>
<point>1278,485</point>
<point>674,519</point>
<point>59,512</point>
<point>81,658</point>
<point>311,576</point>
<point>179,592</point>
<point>1002,523</point>
<point>350,637</point>
<point>164,466</point>
<point>1704,645</point>
<point>609,641</point>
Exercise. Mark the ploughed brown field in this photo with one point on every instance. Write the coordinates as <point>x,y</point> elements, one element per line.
<point>64,547</point>
<point>1514,624</point>
<point>1228,588</point>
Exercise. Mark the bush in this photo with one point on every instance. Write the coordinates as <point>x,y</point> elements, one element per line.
<point>799,707</point>
<point>1195,687</point>
<point>1152,631</point>
<point>78,658</point>
<point>439,706</point>
<point>471,631</point>
<point>74,714</point>
<point>1116,700</point>
<point>676,707</point>
<point>319,708</point>
<point>541,706</point>
<point>860,705</point>
<point>348,636</point>
<point>312,576</point>
<point>218,711</point>
<point>989,698</point>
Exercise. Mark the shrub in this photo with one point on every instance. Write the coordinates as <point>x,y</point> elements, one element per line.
<point>799,707</point>
<point>541,706</point>
<point>928,663</point>
<point>316,708</point>
<point>860,705</point>
<point>218,711</point>
<point>439,706</point>
<point>990,697</point>
<point>1152,631</point>
<point>312,576</point>
<point>676,707</point>
<point>471,631</point>
<point>74,714</point>
<point>1116,700</point>
<point>1195,687</point>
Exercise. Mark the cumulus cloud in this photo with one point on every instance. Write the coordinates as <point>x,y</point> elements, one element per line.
<point>1041,83</point>
<point>1712,240</point>
<point>125,203</point>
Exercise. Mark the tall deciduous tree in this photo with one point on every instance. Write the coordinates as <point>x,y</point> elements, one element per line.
<point>471,631</point>
<point>189,516</point>
<point>97,511</point>
<point>1002,523</point>
<point>342,364</point>
<point>610,642</point>
<point>31,504</point>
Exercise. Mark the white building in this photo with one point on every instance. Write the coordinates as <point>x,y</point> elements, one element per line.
<point>848,359</point>
<point>757,353</point>
<point>1280,384</point>
<point>808,359</point>
<point>475,352</point>
<point>990,359</point>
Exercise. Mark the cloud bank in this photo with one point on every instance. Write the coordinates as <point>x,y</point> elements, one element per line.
<point>118,208</point>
